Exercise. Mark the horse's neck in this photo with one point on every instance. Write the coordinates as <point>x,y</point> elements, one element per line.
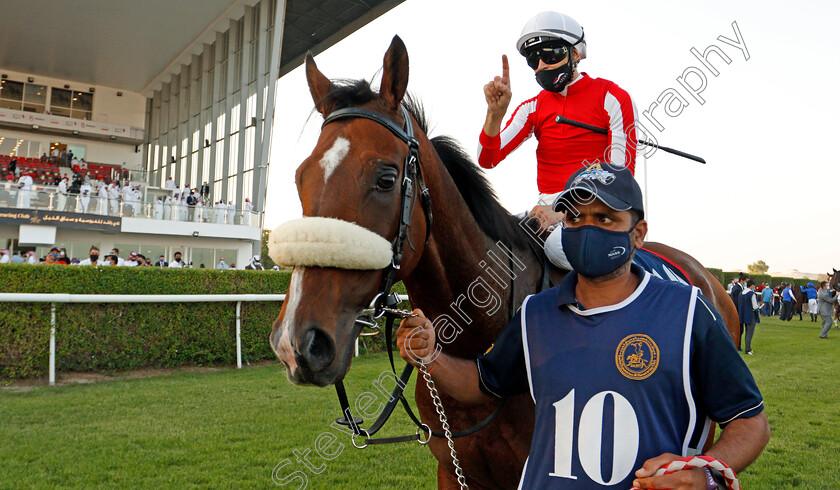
<point>465,282</point>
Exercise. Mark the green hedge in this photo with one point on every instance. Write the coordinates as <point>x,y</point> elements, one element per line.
<point>120,336</point>
<point>109,337</point>
<point>726,277</point>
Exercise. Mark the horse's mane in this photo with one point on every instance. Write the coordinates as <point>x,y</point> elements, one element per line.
<point>493,219</point>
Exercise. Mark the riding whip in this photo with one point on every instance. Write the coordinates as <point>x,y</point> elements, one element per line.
<point>595,129</point>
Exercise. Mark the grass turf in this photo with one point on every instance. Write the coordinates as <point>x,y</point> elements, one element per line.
<point>236,429</point>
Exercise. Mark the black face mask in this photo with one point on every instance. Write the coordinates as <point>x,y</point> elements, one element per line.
<point>557,79</point>
<point>177,259</point>
<point>94,257</point>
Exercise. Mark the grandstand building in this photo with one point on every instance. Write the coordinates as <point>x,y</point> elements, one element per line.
<point>157,96</point>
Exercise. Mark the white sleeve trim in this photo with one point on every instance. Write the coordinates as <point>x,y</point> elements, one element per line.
<point>517,122</point>
<point>741,413</point>
<point>686,369</point>
<point>525,350</point>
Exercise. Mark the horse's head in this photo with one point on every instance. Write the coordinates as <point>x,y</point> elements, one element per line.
<point>351,189</point>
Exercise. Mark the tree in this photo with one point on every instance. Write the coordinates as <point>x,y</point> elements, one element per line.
<point>759,267</point>
<point>265,260</point>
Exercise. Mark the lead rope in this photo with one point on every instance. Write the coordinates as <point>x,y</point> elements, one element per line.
<point>433,392</point>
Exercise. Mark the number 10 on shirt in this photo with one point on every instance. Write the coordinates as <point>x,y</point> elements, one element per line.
<point>590,431</point>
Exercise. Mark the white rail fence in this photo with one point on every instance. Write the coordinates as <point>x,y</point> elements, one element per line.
<point>54,298</point>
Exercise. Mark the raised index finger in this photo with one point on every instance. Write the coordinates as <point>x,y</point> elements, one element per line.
<point>505,70</point>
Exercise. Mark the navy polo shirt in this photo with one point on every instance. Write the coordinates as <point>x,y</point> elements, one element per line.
<point>722,385</point>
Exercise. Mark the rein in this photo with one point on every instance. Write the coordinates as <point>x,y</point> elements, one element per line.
<point>385,304</point>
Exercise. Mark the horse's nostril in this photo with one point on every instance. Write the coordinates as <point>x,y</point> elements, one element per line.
<point>317,349</point>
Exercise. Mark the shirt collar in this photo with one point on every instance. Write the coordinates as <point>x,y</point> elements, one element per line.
<point>567,287</point>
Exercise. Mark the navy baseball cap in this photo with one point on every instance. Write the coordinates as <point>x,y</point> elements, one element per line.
<point>614,186</point>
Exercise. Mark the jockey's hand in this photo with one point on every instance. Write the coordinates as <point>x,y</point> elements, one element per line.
<point>497,92</point>
<point>689,479</point>
<point>545,216</point>
<point>416,339</point>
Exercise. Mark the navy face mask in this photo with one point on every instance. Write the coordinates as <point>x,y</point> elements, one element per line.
<point>596,252</point>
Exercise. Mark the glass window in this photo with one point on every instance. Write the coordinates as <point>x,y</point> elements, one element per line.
<point>60,111</point>
<point>227,254</point>
<point>124,248</point>
<point>152,252</point>
<point>78,105</point>
<point>11,90</point>
<point>202,258</point>
<point>81,250</point>
<point>60,98</point>
<point>35,94</point>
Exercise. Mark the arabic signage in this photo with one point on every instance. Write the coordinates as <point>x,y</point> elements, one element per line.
<point>14,216</point>
<point>47,121</point>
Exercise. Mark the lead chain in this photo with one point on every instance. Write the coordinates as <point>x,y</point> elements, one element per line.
<point>445,425</point>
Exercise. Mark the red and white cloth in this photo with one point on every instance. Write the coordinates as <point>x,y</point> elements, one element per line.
<point>689,462</point>
<point>563,149</point>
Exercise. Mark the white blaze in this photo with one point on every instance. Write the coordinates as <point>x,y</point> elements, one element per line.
<point>284,345</point>
<point>334,156</point>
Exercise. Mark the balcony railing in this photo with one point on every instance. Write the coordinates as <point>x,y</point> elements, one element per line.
<point>48,198</point>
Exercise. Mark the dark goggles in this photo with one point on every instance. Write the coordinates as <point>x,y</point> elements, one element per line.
<point>549,54</point>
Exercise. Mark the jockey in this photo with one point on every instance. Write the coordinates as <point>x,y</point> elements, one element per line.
<point>553,44</point>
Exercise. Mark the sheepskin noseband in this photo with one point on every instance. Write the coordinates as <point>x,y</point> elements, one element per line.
<point>328,242</point>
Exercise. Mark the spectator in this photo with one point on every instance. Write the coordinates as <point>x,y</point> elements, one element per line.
<point>159,207</point>
<point>44,157</point>
<point>146,262</point>
<point>19,258</point>
<point>61,194</point>
<point>161,262</point>
<point>787,303</point>
<point>93,257</point>
<point>170,184</point>
<point>113,261</point>
<point>176,261</point>
<point>132,260</point>
<point>811,294</point>
<point>24,195</point>
<point>777,299</point>
<point>827,297</point>
<point>33,259</point>
<point>231,211</point>
<point>738,288</point>
<point>13,166</point>
<point>254,264</point>
<point>62,256</point>
<point>191,202</point>
<point>54,155</point>
<point>102,202</point>
<point>221,265</point>
<point>51,258</point>
<point>246,212</point>
<point>116,253</point>
<point>205,191</point>
<point>114,198</point>
<point>767,299</point>
<point>84,197</point>
<point>748,315</point>
<point>4,256</point>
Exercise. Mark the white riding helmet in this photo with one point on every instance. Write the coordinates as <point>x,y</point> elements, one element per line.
<point>550,26</point>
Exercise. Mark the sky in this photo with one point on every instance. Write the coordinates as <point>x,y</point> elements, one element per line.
<point>766,124</point>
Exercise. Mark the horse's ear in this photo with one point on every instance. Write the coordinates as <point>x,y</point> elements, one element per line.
<point>319,85</point>
<point>394,73</point>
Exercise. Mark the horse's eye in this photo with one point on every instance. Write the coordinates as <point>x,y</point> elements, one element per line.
<point>386,182</point>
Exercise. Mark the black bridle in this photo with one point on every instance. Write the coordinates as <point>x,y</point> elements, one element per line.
<point>385,303</point>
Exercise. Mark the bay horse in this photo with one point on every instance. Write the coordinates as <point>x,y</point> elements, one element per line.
<point>834,283</point>
<point>453,265</point>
